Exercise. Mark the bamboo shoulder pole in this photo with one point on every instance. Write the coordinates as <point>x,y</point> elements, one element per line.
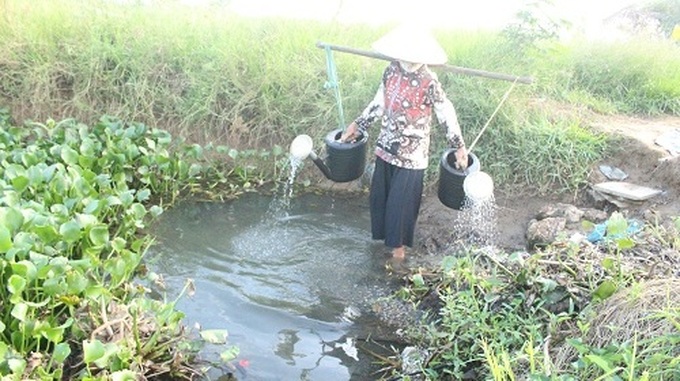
<point>449,68</point>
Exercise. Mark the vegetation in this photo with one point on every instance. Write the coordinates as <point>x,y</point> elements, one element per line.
<point>204,101</point>
<point>212,77</point>
<point>566,312</point>
<point>75,203</point>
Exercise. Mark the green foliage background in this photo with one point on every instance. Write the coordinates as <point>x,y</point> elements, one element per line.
<point>212,77</point>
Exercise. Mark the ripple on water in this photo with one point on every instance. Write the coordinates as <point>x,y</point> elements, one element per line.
<point>287,285</point>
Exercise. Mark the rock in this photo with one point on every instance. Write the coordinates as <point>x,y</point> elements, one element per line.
<point>544,232</point>
<point>571,213</point>
<point>670,141</point>
<point>613,173</point>
<point>595,215</point>
<point>628,191</point>
<point>412,359</point>
<point>619,202</point>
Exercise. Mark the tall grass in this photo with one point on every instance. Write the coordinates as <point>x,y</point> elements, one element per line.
<point>635,77</point>
<point>210,76</point>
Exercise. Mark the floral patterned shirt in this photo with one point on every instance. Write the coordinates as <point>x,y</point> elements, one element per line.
<point>405,102</point>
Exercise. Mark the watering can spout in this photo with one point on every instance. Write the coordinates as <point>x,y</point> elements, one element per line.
<point>302,148</point>
<point>321,165</point>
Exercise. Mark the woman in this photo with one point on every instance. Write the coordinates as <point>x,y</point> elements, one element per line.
<point>408,95</point>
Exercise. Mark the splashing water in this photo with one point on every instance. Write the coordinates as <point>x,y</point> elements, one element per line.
<point>295,164</point>
<point>477,223</point>
<point>280,205</point>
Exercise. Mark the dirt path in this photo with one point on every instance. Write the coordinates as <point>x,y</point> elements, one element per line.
<point>645,162</point>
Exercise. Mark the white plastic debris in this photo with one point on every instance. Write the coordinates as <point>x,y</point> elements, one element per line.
<point>349,348</point>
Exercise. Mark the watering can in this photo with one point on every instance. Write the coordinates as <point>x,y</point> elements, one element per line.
<point>345,161</point>
<point>461,188</point>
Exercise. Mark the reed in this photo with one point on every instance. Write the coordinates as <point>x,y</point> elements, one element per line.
<point>211,76</point>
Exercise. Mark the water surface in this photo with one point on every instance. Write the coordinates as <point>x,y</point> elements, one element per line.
<point>289,284</point>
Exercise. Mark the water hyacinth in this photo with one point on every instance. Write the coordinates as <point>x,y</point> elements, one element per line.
<point>74,205</point>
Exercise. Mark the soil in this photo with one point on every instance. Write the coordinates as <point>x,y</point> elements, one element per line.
<point>645,163</point>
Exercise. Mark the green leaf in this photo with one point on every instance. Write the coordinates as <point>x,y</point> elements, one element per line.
<point>143,195</point>
<point>87,147</point>
<point>93,351</point>
<point>548,284</point>
<point>56,334</point>
<point>47,233</point>
<point>54,286</point>
<point>69,155</point>
<point>587,225</point>
<point>215,336</point>
<point>230,354</point>
<point>605,290</point>
<point>12,219</point>
<point>124,375</point>
<point>113,200</point>
<point>600,362</point>
<point>233,153</point>
<point>19,311</point>
<point>617,225</point>
<point>16,284</point>
<point>5,240</point>
<point>17,366</point>
<point>70,231</point>
<point>195,169</point>
<point>25,269</point>
<point>418,280</point>
<point>118,244</point>
<point>625,243</point>
<point>86,220</point>
<point>61,352</point>
<point>20,183</point>
<point>449,263</point>
<point>76,282</point>
<point>99,235</point>
<point>91,207</point>
<point>608,264</point>
<point>155,211</point>
<point>127,198</point>
<point>137,210</point>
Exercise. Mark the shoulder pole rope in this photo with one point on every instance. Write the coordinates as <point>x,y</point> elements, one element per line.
<point>448,68</point>
<point>332,83</point>
<point>505,96</point>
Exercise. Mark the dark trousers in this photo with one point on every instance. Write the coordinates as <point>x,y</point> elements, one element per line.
<point>395,202</point>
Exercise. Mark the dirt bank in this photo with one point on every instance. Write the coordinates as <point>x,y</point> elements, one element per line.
<point>645,163</point>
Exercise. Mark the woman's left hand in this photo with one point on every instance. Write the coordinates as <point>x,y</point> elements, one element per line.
<point>461,158</point>
<point>350,133</point>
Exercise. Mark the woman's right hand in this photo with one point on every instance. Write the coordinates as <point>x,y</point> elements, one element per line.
<point>350,134</point>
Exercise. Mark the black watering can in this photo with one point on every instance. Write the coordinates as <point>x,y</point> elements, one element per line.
<point>345,161</point>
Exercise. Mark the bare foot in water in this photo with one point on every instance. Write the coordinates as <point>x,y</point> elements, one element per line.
<point>399,253</point>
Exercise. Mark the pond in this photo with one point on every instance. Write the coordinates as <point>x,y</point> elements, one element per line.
<point>293,284</point>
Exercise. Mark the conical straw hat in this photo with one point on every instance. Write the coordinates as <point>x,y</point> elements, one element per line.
<point>411,43</point>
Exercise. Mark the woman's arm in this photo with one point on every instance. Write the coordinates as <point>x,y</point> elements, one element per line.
<point>371,113</point>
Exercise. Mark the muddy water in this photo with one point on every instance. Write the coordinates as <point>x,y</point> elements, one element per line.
<point>289,284</point>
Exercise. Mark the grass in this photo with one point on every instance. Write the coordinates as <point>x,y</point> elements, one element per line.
<point>212,77</point>
<point>545,316</point>
<point>208,76</point>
